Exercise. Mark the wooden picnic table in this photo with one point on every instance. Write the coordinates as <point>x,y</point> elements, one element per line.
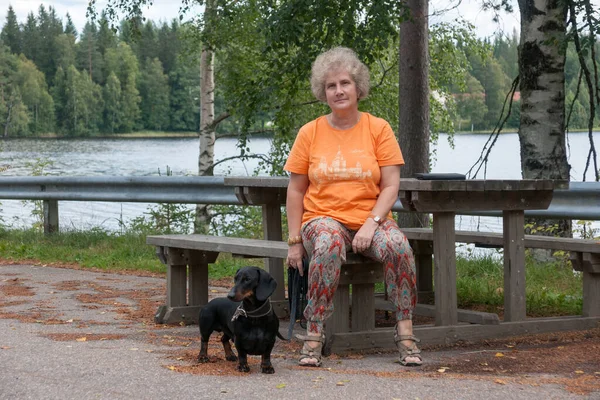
<point>444,199</point>
<point>187,258</point>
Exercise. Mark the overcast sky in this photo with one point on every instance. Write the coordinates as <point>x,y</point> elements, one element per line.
<point>166,10</point>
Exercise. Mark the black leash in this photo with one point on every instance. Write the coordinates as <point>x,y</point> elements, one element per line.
<point>297,282</point>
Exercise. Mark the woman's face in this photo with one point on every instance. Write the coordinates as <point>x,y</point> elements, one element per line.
<point>340,90</point>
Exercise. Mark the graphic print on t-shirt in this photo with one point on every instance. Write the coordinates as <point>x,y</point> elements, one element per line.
<point>338,169</point>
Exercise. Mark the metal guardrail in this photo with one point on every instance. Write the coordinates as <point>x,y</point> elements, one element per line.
<point>148,189</point>
<point>580,201</point>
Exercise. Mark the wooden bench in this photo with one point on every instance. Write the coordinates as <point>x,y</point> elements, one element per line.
<point>187,258</point>
<point>584,256</point>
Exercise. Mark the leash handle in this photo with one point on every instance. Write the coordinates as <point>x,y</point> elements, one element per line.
<point>294,276</point>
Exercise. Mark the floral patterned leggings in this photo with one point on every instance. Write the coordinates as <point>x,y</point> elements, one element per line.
<point>326,240</point>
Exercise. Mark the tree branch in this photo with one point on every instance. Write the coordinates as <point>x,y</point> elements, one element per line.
<point>483,159</point>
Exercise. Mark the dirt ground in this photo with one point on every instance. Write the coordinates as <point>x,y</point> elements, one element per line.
<point>568,359</point>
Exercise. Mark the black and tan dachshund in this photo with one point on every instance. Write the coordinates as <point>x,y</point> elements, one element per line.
<point>246,317</point>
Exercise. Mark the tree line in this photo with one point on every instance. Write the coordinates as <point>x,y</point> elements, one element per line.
<point>146,77</point>
<point>100,80</point>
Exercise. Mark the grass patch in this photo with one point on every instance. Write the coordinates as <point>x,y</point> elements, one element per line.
<point>552,288</point>
<point>99,249</point>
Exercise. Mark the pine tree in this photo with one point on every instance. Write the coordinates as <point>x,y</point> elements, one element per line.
<point>112,103</point>
<point>30,40</point>
<point>70,27</point>
<point>124,64</point>
<point>59,95</point>
<point>185,94</point>
<point>168,45</point>
<point>154,90</point>
<point>88,55</point>
<point>147,43</point>
<point>11,33</point>
<point>45,51</point>
<point>65,50</point>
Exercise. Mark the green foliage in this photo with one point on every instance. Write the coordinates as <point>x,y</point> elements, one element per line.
<point>112,101</point>
<point>90,249</point>
<point>263,55</point>
<point>37,168</point>
<point>154,91</point>
<point>585,230</point>
<point>552,288</point>
<point>10,35</point>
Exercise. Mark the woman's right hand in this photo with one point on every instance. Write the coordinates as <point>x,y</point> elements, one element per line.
<point>296,253</point>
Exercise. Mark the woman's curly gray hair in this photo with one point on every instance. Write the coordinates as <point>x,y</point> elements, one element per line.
<point>339,58</point>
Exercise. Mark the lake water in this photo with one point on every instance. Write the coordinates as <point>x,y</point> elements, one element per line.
<point>151,157</point>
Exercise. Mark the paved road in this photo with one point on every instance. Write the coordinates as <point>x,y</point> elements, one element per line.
<point>72,334</point>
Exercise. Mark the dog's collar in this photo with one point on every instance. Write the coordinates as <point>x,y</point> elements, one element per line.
<point>259,312</point>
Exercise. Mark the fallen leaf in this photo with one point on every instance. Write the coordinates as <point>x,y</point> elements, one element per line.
<point>134,349</point>
<point>499,355</point>
<point>340,383</point>
<point>509,346</point>
<point>149,351</point>
<point>6,348</point>
<point>442,370</point>
<point>280,386</point>
<point>213,291</point>
<point>579,372</point>
<point>69,321</point>
<point>81,339</point>
<point>172,367</point>
<point>500,382</point>
<point>179,358</point>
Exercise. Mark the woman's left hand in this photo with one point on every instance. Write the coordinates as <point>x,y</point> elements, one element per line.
<point>363,238</point>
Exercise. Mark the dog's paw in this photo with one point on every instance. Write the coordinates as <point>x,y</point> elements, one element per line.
<point>203,359</point>
<point>243,368</point>
<point>231,357</point>
<point>267,369</point>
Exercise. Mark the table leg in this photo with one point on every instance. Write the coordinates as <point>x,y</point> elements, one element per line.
<point>444,254</point>
<point>271,214</point>
<point>514,265</point>
<point>198,275</point>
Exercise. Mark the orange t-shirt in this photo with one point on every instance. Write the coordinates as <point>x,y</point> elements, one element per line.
<point>343,167</point>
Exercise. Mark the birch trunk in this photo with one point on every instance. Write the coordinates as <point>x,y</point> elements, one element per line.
<point>413,131</point>
<point>542,53</point>
<point>207,129</point>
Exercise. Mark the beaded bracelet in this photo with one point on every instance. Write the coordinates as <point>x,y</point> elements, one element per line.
<point>294,240</point>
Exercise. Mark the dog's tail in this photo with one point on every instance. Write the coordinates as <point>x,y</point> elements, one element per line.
<point>280,336</point>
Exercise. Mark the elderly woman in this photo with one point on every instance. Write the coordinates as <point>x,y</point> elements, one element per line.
<point>345,175</point>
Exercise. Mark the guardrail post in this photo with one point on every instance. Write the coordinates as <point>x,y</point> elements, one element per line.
<point>50,216</point>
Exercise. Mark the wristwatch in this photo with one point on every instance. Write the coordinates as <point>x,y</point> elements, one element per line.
<point>376,218</point>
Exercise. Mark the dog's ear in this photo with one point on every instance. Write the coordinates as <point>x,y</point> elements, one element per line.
<point>266,285</point>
